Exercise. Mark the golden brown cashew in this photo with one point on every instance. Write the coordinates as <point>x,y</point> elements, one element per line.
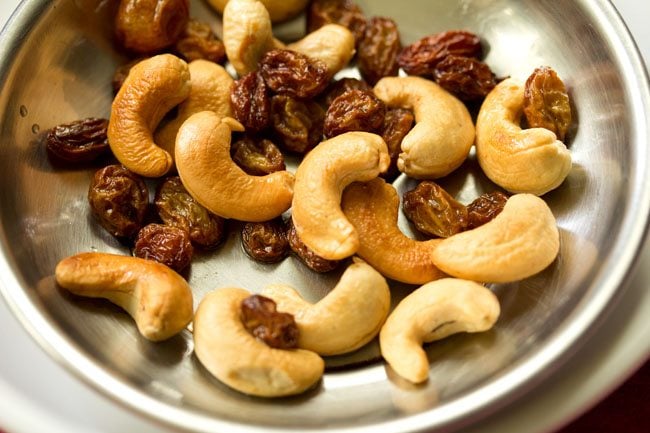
<point>153,87</point>
<point>215,181</point>
<point>521,241</point>
<point>210,91</point>
<point>333,44</point>
<point>372,208</point>
<point>241,361</point>
<point>346,318</point>
<point>321,178</point>
<point>279,10</point>
<point>431,312</point>
<point>443,133</point>
<point>520,160</point>
<point>158,299</point>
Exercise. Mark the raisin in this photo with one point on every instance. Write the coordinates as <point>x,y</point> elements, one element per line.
<point>119,200</point>
<point>397,123</point>
<point>250,102</point>
<point>198,41</point>
<point>355,110</point>
<point>467,78</point>
<point>339,87</point>
<point>287,71</point>
<point>306,255</point>
<point>177,208</point>
<point>378,50</point>
<point>297,124</point>
<point>257,157</point>
<point>433,211</point>
<point>265,241</point>
<point>121,72</point>
<point>485,208</point>
<point>79,141</point>
<point>342,12</point>
<point>260,317</point>
<point>421,57</point>
<point>546,102</point>
<point>164,244</point>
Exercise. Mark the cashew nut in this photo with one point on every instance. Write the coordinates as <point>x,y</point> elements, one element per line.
<point>279,10</point>
<point>332,44</point>
<point>238,359</point>
<point>521,241</point>
<point>443,134</point>
<point>320,180</point>
<point>519,160</point>
<point>215,181</point>
<point>158,299</point>
<point>210,91</point>
<point>153,87</point>
<point>432,312</point>
<point>346,318</point>
<point>373,209</point>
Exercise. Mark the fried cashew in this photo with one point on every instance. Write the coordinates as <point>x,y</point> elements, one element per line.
<point>279,10</point>
<point>241,361</point>
<point>153,87</point>
<point>320,180</point>
<point>215,181</point>
<point>443,133</point>
<point>373,208</point>
<point>347,318</point>
<point>158,299</point>
<point>332,44</point>
<point>519,160</point>
<point>432,312</point>
<point>519,242</point>
<point>210,91</point>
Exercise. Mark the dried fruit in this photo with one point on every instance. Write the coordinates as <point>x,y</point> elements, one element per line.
<point>434,211</point>
<point>79,141</point>
<point>546,102</point>
<point>164,244</point>
<point>177,208</point>
<point>287,71</point>
<point>261,318</point>
<point>306,255</point>
<point>355,110</point>
<point>119,200</point>
<point>265,241</point>
<point>485,208</point>
<point>339,87</point>
<point>378,49</point>
<point>342,12</point>
<point>250,102</point>
<point>397,123</point>
<point>298,124</point>
<point>257,157</point>
<point>198,41</point>
<point>467,78</point>
<point>421,57</point>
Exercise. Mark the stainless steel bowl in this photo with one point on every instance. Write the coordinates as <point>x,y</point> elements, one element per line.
<point>57,59</point>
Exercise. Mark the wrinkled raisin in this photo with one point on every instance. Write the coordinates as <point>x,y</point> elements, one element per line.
<point>343,12</point>
<point>546,102</point>
<point>79,141</point>
<point>434,211</point>
<point>164,244</point>
<point>177,208</point>
<point>467,78</point>
<point>250,102</point>
<point>421,57</point>
<point>306,255</point>
<point>257,157</point>
<point>339,87</point>
<point>287,71</point>
<point>355,110</point>
<point>397,123</point>
<point>378,50</point>
<point>265,241</point>
<point>260,317</point>
<point>485,208</point>
<point>119,200</point>
<point>297,124</point>
<point>198,41</point>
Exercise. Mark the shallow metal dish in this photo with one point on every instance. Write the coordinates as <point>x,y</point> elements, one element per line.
<point>57,59</point>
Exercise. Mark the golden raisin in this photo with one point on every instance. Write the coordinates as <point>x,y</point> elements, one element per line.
<point>546,102</point>
<point>260,317</point>
<point>434,211</point>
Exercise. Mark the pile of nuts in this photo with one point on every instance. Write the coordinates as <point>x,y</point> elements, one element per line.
<point>177,109</point>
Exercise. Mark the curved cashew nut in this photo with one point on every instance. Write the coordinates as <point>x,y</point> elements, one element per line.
<point>521,241</point>
<point>346,318</point>
<point>443,133</point>
<point>333,44</point>
<point>373,209</point>
<point>519,160</point>
<point>320,180</point>
<point>279,10</point>
<point>158,299</point>
<point>238,359</point>
<point>215,181</point>
<point>210,91</point>
<point>153,87</point>
<point>432,312</point>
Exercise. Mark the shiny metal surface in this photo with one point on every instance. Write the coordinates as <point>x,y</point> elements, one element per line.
<point>57,61</point>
